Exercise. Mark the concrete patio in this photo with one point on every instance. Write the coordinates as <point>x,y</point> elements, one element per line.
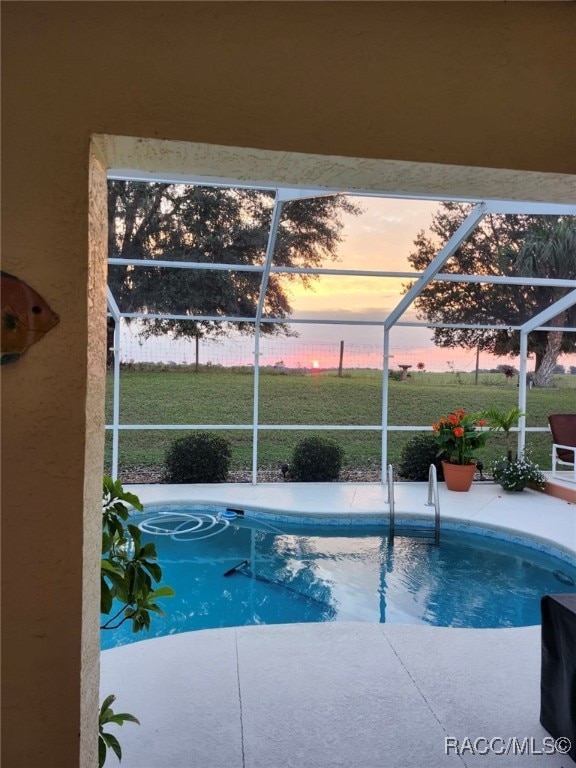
<point>328,695</point>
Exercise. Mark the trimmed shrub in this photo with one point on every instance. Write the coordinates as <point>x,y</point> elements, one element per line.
<point>417,455</point>
<point>200,457</point>
<point>316,459</point>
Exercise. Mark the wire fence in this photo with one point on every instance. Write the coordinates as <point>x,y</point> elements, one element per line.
<point>297,354</point>
<point>161,396</point>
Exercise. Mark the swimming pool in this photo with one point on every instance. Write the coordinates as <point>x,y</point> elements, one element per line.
<point>288,573</point>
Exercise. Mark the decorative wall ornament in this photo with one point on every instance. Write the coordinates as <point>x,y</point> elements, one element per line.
<point>26,317</point>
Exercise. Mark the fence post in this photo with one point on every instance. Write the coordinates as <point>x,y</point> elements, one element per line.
<point>477,364</point>
<point>341,359</point>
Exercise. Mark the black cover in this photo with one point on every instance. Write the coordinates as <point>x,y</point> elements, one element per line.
<point>558,679</point>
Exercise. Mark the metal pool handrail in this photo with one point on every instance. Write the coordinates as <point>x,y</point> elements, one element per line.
<point>434,500</point>
<point>391,499</point>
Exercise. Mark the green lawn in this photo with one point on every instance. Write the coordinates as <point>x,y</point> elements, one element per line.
<point>224,396</point>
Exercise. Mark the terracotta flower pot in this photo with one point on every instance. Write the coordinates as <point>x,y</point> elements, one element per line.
<point>458,477</point>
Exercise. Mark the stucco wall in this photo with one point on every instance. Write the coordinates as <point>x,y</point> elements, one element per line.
<point>471,84</point>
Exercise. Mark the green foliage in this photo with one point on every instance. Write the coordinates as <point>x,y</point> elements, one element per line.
<point>116,503</point>
<point>185,222</point>
<point>107,740</point>
<point>128,575</point>
<point>517,474</point>
<point>177,398</point>
<point>417,455</point>
<point>200,457</point>
<point>129,571</point>
<point>316,459</point>
<point>504,421</point>
<point>538,246</point>
<point>458,438</point>
<point>491,381</point>
<point>508,370</point>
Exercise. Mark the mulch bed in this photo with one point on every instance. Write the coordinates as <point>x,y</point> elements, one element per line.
<point>153,475</point>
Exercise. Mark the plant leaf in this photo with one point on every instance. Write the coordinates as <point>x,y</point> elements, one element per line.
<point>114,744</point>
<point>107,702</point>
<point>102,749</point>
<point>128,718</point>
<point>163,591</point>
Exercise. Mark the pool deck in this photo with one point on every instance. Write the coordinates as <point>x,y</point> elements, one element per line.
<point>356,695</point>
<point>536,515</point>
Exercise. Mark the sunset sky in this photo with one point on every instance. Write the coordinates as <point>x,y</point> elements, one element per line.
<point>380,238</point>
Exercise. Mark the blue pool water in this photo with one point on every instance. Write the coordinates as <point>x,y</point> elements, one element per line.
<point>305,574</point>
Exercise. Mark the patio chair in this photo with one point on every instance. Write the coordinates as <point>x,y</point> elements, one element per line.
<point>563,428</point>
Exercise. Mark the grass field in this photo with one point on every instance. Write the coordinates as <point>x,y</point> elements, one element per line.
<point>224,396</point>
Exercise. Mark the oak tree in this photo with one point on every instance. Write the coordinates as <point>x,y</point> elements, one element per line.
<point>213,225</point>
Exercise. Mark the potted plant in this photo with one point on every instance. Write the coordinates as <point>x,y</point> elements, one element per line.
<point>503,421</point>
<point>513,474</point>
<point>516,474</point>
<point>458,436</point>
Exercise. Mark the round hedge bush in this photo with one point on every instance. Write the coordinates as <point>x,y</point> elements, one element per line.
<point>316,459</point>
<point>200,457</point>
<point>417,455</point>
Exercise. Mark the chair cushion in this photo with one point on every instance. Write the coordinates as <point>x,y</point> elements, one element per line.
<point>563,428</point>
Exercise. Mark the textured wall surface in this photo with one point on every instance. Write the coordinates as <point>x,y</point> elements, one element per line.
<point>94,449</point>
<point>468,84</point>
<point>157,158</point>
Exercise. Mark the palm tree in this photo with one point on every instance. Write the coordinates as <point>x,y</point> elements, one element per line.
<point>549,250</point>
<point>503,421</point>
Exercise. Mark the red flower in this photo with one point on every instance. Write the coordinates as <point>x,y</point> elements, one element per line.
<point>458,437</point>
